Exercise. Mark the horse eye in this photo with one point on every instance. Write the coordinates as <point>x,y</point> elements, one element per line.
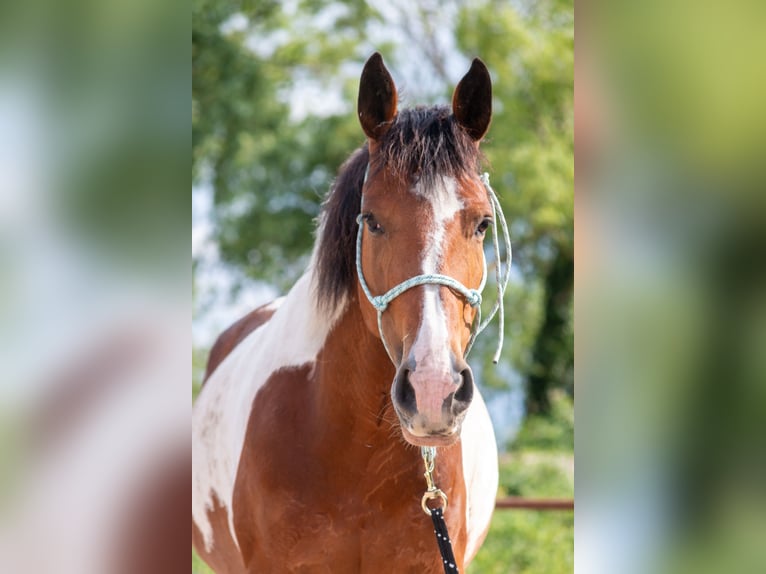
<point>482,228</point>
<point>372,224</point>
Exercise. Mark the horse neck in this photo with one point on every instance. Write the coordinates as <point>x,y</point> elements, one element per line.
<point>354,377</point>
<point>354,414</point>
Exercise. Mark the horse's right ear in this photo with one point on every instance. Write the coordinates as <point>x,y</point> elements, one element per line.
<point>376,105</point>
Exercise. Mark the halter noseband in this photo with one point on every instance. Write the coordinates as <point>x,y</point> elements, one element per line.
<point>472,296</point>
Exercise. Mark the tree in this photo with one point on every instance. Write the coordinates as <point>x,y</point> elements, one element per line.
<point>268,172</point>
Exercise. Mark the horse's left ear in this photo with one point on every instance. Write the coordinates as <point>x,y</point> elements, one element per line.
<point>472,100</point>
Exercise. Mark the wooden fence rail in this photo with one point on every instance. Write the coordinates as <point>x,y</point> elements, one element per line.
<point>535,503</point>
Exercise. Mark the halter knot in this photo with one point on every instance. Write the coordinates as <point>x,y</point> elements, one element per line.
<point>473,298</point>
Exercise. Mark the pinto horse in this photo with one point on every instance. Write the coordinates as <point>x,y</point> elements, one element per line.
<point>306,434</point>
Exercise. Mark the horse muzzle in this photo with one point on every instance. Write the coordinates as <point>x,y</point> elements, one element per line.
<point>431,404</point>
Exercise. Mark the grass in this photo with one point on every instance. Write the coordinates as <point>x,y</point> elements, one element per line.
<point>198,566</point>
<point>527,542</point>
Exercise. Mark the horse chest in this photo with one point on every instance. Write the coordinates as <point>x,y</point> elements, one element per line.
<point>347,538</point>
<point>304,505</point>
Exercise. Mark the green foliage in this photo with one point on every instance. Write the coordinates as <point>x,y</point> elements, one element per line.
<point>199,361</point>
<point>531,140</point>
<point>527,542</point>
<point>268,171</point>
<point>198,566</point>
<point>551,433</point>
<point>535,474</point>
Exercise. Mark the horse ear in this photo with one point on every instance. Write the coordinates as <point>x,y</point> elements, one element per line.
<point>472,100</point>
<point>377,98</point>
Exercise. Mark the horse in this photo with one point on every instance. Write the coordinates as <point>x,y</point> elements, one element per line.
<point>308,431</point>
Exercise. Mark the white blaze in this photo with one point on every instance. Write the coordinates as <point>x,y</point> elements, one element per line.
<point>431,349</point>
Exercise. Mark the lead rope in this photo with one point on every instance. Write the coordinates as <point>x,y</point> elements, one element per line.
<point>437,514</point>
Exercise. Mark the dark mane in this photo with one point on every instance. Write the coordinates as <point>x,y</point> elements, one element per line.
<point>336,243</point>
<point>422,144</point>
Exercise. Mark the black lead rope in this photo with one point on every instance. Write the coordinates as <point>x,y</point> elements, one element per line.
<point>442,539</point>
<point>437,514</point>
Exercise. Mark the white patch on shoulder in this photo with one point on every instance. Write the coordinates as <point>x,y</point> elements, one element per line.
<point>479,471</point>
<point>292,337</point>
<point>431,349</point>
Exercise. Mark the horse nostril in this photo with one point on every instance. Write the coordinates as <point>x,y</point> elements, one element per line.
<point>465,393</point>
<point>404,393</point>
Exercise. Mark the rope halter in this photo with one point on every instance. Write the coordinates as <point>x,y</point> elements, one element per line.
<point>471,296</point>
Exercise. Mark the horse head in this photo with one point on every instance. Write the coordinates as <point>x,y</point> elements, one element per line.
<point>424,214</point>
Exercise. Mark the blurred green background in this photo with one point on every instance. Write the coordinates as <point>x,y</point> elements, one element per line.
<point>273,117</point>
<point>671,212</point>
